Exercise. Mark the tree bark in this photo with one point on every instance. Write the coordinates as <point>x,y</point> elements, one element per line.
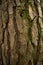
<point>21,32</point>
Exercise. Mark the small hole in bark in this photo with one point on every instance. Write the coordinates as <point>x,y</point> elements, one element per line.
<point>29,63</point>
<point>0,2</point>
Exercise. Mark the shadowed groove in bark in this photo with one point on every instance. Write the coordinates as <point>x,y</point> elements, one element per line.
<point>8,42</point>
<point>6,24</point>
<point>38,43</point>
<point>29,63</point>
<point>8,51</point>
<point>17,34</point>
<point>8,39</point>
<point>39,35</point>
<point>1,41</point>
<point>41,3</point>
<point>1,57</point>
<point>38,24</point>
<point>0,2</point>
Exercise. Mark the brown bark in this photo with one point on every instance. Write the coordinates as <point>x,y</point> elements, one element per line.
<point>21,33</point>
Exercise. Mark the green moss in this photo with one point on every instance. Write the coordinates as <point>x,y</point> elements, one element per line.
<point>24,13</point>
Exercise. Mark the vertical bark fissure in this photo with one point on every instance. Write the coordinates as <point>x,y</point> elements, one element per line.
<point>1,57</point>
<point>7,61</point>
<point>1,41</point>
<point>8,38</point>
<point>39,34</point>
<point>17,34</point>
<point>8,51</point>
<point>41,9</point>
<point>41,3</point>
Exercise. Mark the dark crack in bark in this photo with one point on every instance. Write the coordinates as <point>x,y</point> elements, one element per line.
<point>39,35</point>
<point>17,35</point>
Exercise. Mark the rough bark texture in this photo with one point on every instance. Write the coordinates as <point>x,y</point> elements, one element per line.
<point>21,32</point>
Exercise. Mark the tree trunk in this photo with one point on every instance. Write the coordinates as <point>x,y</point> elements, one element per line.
<point>21,32</point>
